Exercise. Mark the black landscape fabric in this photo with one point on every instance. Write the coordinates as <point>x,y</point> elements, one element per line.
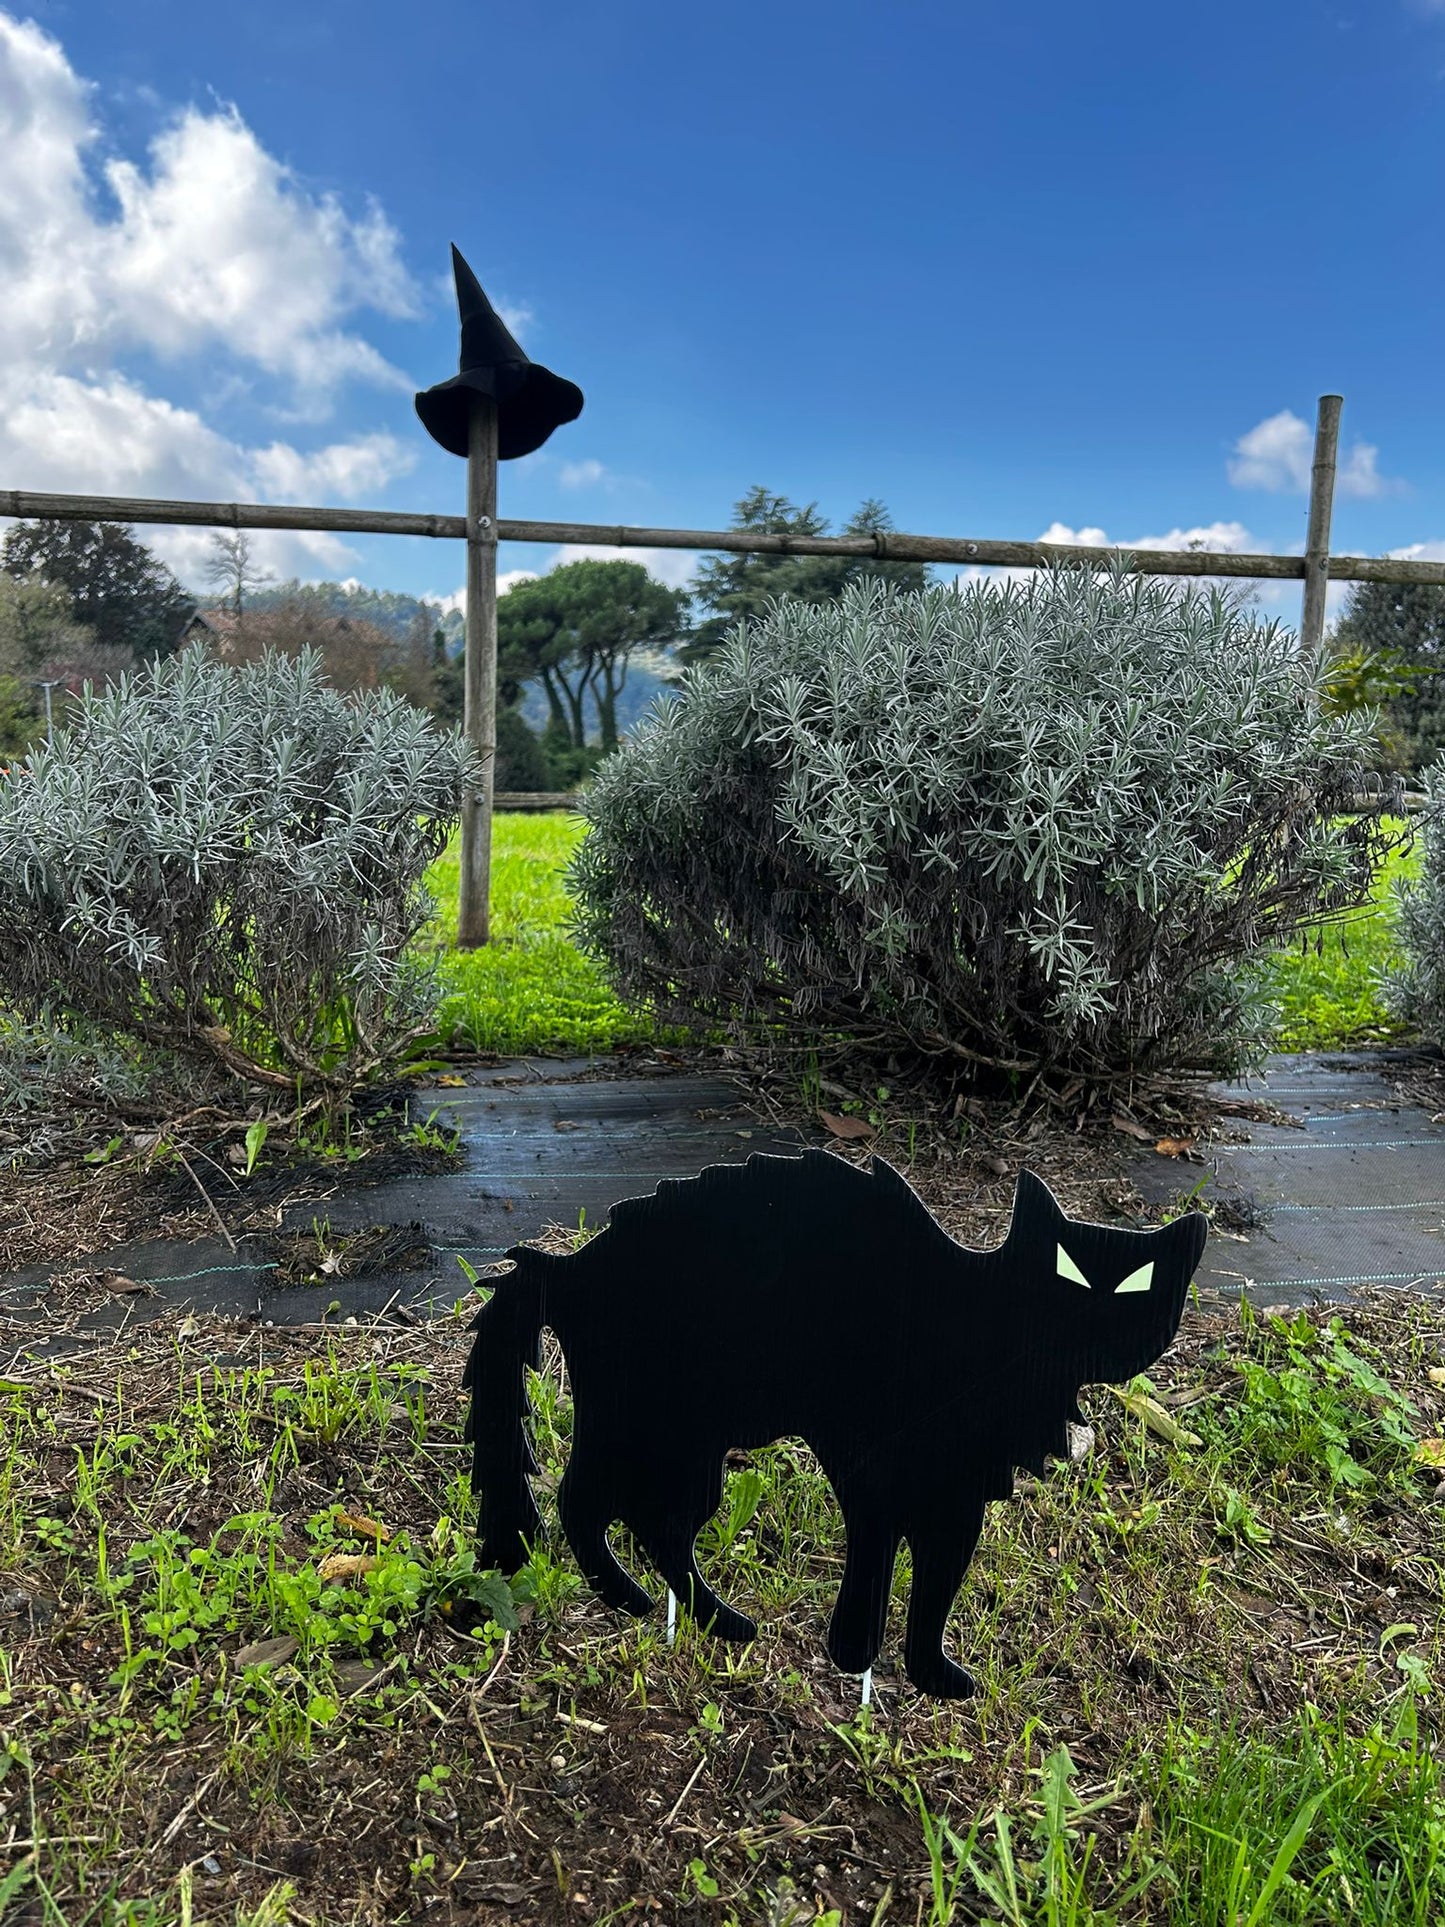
<point>805,1297</point>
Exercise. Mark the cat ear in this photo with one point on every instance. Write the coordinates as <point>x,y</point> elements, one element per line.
<point>1033,1199</point>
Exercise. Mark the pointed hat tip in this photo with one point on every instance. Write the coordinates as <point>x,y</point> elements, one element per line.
<point>470,298</point>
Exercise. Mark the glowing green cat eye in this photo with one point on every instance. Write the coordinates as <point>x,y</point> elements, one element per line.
<point>1139,1280</point>
<point>1068,1269</point>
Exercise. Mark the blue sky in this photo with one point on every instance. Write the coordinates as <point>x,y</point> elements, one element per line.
<point>1013,268</point>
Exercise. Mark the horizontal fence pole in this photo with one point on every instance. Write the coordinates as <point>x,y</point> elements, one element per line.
<point>535,800</point>
<point>889,547</point>
<point>227,515</point>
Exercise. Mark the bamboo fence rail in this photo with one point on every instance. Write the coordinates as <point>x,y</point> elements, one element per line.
<point>984,551</point>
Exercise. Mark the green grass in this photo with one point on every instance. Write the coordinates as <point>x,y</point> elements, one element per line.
<point>1330,991</point>
<point>530,988</point>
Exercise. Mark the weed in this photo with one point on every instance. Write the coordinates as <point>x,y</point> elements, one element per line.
<point>256,1135</point>
<point>1313,1409</point>
<point>425,1134</point>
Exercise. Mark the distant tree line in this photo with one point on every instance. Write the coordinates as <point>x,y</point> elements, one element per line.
<point>79,602</point>
<point>1389,654</point>
<point>87,601</point>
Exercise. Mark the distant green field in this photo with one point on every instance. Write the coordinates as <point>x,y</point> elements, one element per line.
<point>530,989</point>
<point>1330,995</point>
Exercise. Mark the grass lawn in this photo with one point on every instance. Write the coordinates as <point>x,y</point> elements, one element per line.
<point>250,1674</point>
<point>530,989</point>
<point>1330,995</point>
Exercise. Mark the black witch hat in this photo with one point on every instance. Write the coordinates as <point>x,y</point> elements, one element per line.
<point>531,400</point>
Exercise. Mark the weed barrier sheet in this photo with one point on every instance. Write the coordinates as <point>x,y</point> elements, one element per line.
<point>1350,1193</point>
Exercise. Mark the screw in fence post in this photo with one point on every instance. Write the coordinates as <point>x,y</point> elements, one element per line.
<point>671,1615</point>
<point>865,1696</point>
<point>1317,540</point>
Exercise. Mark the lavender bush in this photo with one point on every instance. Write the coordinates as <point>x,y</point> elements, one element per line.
<point>227,863</point>
<point>1416,989</point>
<point>1041,826</point>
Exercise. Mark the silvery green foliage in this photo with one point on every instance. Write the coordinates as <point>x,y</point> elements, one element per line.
<point>228,862</point>
<point>1417,988</point>
<point>1042,823</point>
<point>50,1076</point>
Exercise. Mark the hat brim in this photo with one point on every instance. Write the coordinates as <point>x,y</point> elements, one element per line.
<point>527,409</point>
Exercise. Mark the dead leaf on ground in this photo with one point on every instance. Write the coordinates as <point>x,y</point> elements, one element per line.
<point>1175,1147</point>
<point>999,1166</point>
<point>123,1287</point>
<point>266,1652</point>
<point>1154,1416</point>
<point>450,1083</point>
<point>565,1124</point>
<point>1131,1129</point>
<point>1430,1453</point>
<point>363,1526</point>
<point>347,1565</point>
<point>355,1675</point>
<point>1437,1374</point>
<point>846,1127</point>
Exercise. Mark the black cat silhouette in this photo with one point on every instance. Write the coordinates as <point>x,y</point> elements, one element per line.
<point>804,1297</point>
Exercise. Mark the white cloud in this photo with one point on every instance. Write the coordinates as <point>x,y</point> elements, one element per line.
<point>1359,476</point>
<point>1232,538</point>
<point>1421,551</point>
<point>675,567</point>
<point>1229,538</point>
<point>212,243</point>
<point>584,474</point>
<point>1076,538</point>
<point>210,251</point>
<point>1277,454</point>
<point>506,580</point>
<point>348,469</point>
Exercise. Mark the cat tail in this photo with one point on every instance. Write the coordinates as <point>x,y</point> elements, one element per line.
<point>508,1339</point>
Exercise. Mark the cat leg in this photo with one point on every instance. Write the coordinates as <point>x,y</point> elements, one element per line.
<point>671,1551</point>
<point>586,1513</point>
<point>667,1532</point>
<point>855,1632</point>
<point>941,1552</point>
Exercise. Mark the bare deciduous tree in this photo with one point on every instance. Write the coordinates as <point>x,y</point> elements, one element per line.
<point>232,568</point>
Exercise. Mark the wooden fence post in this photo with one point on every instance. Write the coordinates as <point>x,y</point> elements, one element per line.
<point>1317,539</point>
<point>479,721</point>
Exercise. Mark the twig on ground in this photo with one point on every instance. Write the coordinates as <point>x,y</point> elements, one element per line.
<point>210,1205</point>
